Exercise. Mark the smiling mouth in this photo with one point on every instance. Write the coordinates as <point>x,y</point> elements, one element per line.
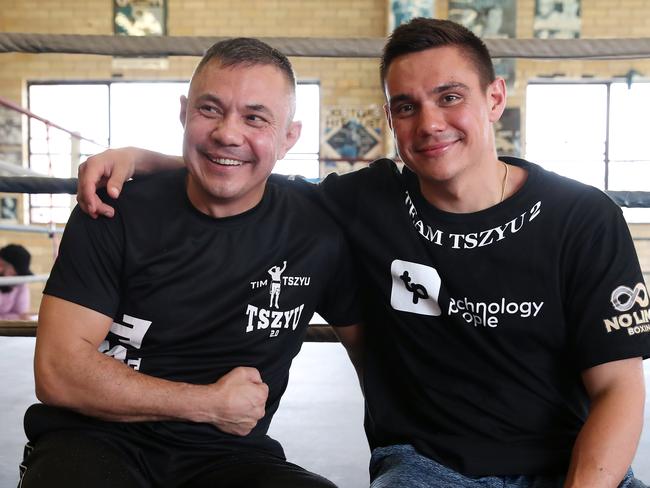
<point>436,148</point>
<point>224,161</point>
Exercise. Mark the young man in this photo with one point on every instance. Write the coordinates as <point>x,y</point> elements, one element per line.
<point>14,261</point>
<point>505,304</point>
<point>158,358</point>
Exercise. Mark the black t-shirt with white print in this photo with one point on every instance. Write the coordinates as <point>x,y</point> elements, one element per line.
<point>479,325</point>
<point>193,297</point>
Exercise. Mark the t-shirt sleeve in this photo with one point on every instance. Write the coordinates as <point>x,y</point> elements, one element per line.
<point>340,303</point>
<point>607,299</point>
<point>88,267</point>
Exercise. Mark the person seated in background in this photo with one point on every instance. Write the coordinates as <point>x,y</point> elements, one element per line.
<point>14,299</point>
<point>158,359</point>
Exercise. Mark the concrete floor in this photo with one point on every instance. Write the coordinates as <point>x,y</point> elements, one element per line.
<point>319,421</point>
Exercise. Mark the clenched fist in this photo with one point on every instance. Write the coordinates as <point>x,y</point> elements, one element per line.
<point>240,400</point>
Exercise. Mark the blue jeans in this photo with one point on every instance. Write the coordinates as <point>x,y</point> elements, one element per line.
<point>401,466</point>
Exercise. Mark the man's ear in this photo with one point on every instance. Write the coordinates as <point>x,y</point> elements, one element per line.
<point>183,110</point>
<point>292,136</point>
<point>388,119</point>
<point>496,96</point>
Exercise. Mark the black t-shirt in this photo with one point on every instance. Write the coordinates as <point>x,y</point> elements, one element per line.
<point>193,297</point>
<point>479,325</point>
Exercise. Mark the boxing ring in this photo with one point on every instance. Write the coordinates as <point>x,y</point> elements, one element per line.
<point>336,389</point>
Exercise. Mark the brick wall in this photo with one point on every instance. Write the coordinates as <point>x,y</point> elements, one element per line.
<point>344,82</point>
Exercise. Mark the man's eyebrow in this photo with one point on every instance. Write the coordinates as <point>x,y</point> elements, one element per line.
<point>452,85</point>
<point>434,91</point>
<point>208,97</point>
<point>258,107</point>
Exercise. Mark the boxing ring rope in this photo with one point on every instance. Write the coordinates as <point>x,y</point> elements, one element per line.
<point>19,280</point>
<point>132,46</point>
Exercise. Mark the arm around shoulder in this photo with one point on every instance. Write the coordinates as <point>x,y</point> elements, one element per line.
<point>112,168</point>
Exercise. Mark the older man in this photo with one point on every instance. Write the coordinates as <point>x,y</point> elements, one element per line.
<point>158,358</point>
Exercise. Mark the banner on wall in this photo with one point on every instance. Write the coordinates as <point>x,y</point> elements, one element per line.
<point>489,19</point>
<point>507,132</point>
<point>401,11</point>
<point>9,209</point>
<point>140,17</point>
<point>351,136</point>
<point>486,18</point>
<point>557,19</point>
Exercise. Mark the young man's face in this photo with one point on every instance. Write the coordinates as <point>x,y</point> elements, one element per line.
<point>440,116</point>
<point>237,126</point>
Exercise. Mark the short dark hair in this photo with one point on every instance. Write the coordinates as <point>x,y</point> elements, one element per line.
<point>247,51</point>
<point>422,33</point>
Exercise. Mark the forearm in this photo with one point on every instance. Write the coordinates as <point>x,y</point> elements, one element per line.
<point>100,386</point>
<point>607,442</point>
<point>150,161</point>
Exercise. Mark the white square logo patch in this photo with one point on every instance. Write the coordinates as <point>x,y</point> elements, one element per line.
<point>415,288</point>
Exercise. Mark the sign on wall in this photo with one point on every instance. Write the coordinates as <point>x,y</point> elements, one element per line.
<point>351,136</point>
<point>401,11</point>
<point>140,17</point>
<point>489,19</point>
<point>486,18</point>
<point>9,209</point>
<point>559,19</point>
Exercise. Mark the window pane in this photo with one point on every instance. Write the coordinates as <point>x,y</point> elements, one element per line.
<point>60,164</point>
<point>307,111</point>
<point>302,159</point>
<point>629,175</point>
<point>565,129</point>
<point>45,215</point>
<point>77,107</point>
<point>147,115</point>
<point>629,169</point>
<point>628,122</point>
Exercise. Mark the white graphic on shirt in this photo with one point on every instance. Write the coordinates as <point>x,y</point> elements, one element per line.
<point>486,314</point>
<point>470,240</point>
<point>623,299</point>
<point>260,319</point>
<point>131,336</point>
<point>276,274</point>
<point>415,288</point>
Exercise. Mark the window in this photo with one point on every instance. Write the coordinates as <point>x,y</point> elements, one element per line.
<point>594,133</point>
<point>143,114</point>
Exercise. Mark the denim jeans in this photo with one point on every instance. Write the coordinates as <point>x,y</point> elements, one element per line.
<point>401,466</point>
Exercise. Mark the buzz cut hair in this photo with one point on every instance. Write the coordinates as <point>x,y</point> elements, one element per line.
<point>248,51</point>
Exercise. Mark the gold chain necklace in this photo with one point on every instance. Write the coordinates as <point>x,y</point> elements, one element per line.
<point>505,182</point>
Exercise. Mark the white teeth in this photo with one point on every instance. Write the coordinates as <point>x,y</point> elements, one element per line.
<point>225,162</point>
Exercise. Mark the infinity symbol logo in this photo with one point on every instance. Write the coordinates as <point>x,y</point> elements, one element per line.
<point>624,298</point>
